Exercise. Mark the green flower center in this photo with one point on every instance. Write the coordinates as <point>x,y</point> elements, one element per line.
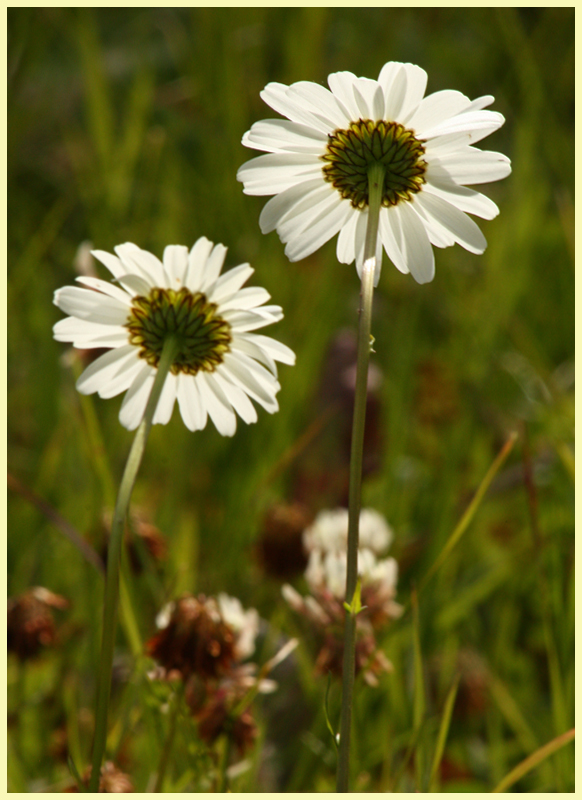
<point>350,154</point>
<point>204,336</point>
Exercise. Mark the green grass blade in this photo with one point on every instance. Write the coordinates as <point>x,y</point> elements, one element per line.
<point>531,762</point>
<point>419,705</point>
<point>473,506</point>
<point>443,732</point>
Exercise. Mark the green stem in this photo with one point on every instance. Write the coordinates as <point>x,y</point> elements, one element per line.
<point>114,558</point>
<point>169,743</point>
<point>375,183</point>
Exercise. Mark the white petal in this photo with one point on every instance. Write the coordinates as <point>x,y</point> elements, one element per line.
<point>477,124</point>
<point>246,299</point>
<point>360,255</point>
<point>251,348</point>
<point>197,263</point>
<point>449,143</point>
<point>465,199</point>
<point>438,235</point>
<point>105,287</point>
<point>90,305</point>
<point>341,84</point>
<point>275,172</point>
<point>135,401</point>
<point>242,321</point>
<point>292,202</point>
<point>255,380</point>
<point>391,236</point>
<point>141,262</point>
<point>322,102</point>
<point>219,411</point>
<point>278,96</point>
<point>326,224</point>
<point>87,335</point>
<point>191,406</point>
<point>346,242</point>
<point>122,381</point>
<point>277,350</point>
<point>134,285</point>
<point>103,370</point>
<point>213,267</point>
<point>284,136</point>
<point>469,165</point>
<point>112,263</point>
<point>369,98</point>
<point>419,253</point>
<point>408,87</point>
<point>462,227</point>
<point>436,108</point>
<point>165,407</point>
<point>236,397</point>
<point>230,283</point>
<point>176,263</point>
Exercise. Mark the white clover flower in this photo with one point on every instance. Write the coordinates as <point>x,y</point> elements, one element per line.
<point>326,570</point>
<point>245,624</point>
<point>329,531</point>
<point>220,364</point>
<point>318,160</point>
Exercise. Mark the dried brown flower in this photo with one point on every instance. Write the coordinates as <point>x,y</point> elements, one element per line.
<point>195,640</point>
<point>31,625</point>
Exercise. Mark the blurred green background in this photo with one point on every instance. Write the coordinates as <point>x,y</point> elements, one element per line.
<point>125,125</point>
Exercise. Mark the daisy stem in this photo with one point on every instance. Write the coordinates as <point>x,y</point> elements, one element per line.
<point>375,183</point>
<point>114,559</point>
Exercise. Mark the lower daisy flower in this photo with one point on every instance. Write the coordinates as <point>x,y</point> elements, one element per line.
<point>220,364</point>
<point>318,163</point>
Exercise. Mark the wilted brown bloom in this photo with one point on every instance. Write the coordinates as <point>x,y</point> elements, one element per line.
<point>31,625</point>
<point>112,780</point>
<point>195,640</point>
<point>215,713</point>
<point>280,546</point>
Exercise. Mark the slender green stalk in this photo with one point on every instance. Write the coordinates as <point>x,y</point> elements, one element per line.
<point>114,559</point>
<point>169,743</point>
<point>375,183</point>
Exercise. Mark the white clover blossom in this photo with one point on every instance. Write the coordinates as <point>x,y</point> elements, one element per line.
<point>327,570</point>
<point>245,624</point>
<point>329,531</point>
<point>221,362</point>
<point>318,160</point>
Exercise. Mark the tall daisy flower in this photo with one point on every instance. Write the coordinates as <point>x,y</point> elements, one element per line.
<point>220,362</point>
<point>318,162</point>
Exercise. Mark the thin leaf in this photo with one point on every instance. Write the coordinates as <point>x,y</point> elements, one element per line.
<point>473,506</point>
<point>443,732</point>
<point>419,698</point>
<point>531,762</point>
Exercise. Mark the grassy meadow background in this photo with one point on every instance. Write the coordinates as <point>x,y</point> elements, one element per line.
<point>125,125</point>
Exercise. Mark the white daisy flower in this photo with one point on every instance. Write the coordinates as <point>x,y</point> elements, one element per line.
<point>220,364</point>
<point>318,160</point>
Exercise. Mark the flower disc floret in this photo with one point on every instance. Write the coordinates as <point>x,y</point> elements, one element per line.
<point>203,335</point>
<point>350,154</point>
